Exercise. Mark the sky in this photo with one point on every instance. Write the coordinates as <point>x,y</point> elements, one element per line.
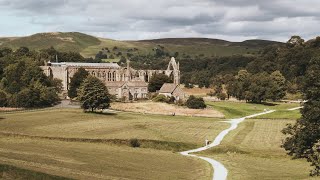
<point>233,20</point>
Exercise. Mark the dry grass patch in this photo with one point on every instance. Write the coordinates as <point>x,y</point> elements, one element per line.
<point>197,91</point>
<point>165,109</point>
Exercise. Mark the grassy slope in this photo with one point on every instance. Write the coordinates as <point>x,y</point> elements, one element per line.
<point>11,172</point>
<point>71,41</point>
<point>188,46</point>
<point>89,46</point>
<point>104,160</point>
<point>240,109</point>
<point>98,161</point>
<point>72,123</point>
<point>253,151</point>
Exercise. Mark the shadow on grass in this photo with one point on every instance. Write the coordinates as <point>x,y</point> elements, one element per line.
<point>12,172</point>
<point>101,113</point>
<point>264,103</point>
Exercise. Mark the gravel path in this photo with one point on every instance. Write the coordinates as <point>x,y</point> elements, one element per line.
<point>220,172</point>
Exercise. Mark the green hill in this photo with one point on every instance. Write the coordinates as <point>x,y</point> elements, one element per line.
<point>89,46</point>
<point>71,41</point>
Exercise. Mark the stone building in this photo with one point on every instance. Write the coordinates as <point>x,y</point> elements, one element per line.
<point>172,90</point>
<point>123,82</point>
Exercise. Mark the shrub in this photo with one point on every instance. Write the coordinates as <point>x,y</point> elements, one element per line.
<point>222,96</point>
<point>160,98</point>
<point>195,103</point>
<point>134,142</point>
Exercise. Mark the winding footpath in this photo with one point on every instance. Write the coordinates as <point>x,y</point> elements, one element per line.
<point>220,172</point>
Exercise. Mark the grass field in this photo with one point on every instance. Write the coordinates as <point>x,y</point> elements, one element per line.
<point>70,143</point>
<point>241,109</point>
<point>66,142</point>
<point>253,152</point>
<point>10,172</point>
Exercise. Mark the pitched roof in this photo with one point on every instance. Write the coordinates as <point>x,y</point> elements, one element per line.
<point>168,88</point>
<point>78,64</point>
<point>118,84</point>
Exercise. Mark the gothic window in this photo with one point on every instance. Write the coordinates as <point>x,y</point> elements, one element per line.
<point>114,76</point>
<point>109,76</point>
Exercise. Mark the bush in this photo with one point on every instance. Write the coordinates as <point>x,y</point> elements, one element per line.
<point>195,103</point>
<point>134,142</point>
<point>160,98</point>
<point>222,96</point>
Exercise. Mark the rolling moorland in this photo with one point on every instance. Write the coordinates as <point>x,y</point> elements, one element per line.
<point>89,46</point>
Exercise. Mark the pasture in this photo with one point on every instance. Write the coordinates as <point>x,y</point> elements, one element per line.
<point>67,143</point>
<point>253,151</point>
<point>73,144</point>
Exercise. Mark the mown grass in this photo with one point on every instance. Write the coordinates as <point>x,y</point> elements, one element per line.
<point>82,160</point>
<point>73,144</point>
<point>241,109</point>
<point>12,172</point>
<point>253,151</point>
<point>73,123</point>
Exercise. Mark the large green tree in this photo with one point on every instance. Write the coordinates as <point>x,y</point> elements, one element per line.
<point>157,81</point>
<point>93,94</point>
<point>303,138</point>
<point>76,81</point>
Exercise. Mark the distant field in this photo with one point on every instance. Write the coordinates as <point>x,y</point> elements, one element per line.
<point>253,152</point>
<point>56,141</point>
<point>241,109</point>
<point>111,60</point>
<point>150,107</point>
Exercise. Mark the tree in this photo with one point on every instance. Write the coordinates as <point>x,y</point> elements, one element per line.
<point>3,98</point>
<point>36,95</point>
<point>277,88</point>
<point>157,81</point>
<point>93,94</point>
<point>303,137</point>
<point>295,41</point>
<point>195,103</point>
<point>76,81</point>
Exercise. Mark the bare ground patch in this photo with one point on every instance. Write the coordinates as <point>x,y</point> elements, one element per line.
<point>165,109</point>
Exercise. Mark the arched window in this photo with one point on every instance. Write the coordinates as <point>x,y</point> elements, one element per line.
<point>114,76</point>
<point>109,76</point>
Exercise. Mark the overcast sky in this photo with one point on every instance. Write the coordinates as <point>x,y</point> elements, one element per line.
<point>234,20</point>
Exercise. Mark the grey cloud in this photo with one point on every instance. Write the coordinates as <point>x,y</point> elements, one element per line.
<point>134,19</point>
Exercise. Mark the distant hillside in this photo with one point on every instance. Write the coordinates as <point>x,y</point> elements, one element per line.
<point>71,41</point>
<point>187,41</point>
<point>89,46</point>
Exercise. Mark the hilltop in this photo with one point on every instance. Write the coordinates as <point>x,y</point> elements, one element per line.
<point>89,45</point>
